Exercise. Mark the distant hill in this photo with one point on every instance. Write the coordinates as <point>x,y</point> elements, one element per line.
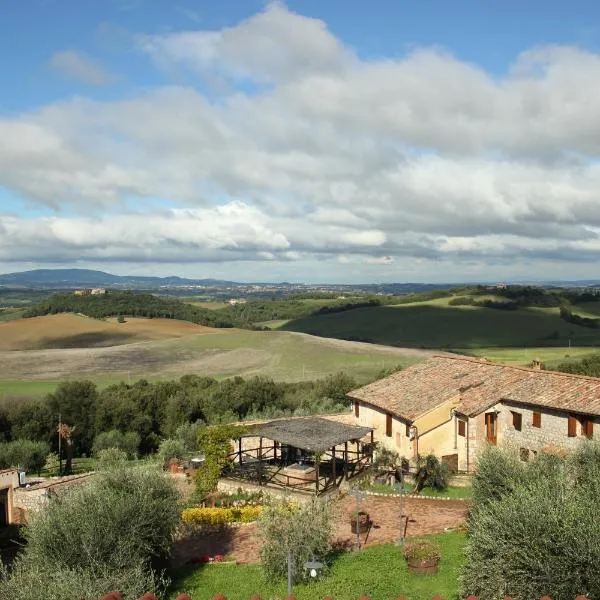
<point>69,278</point>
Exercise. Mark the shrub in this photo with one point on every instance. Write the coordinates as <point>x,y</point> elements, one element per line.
<point>221,516</point>
<point>431,473</point>
<point>422,550</point>
<point>41,583</point>
<point>128,442</point>
<point>540,532</point>
<point>111,458</point>
<point>300,531</point>
<point>122,517</point>
<point>170,449</point>
<point>24,454</point>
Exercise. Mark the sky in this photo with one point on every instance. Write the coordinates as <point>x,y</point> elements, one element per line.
<point>339,141</point>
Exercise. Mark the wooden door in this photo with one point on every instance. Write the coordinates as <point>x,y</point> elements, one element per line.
<point>491,420</point>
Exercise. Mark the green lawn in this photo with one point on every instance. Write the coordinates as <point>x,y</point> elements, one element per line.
<point>380,572</point>
<point>450,492</point>
<point>433,325</point>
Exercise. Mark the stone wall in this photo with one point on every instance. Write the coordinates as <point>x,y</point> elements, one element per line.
<point>35,497</point>
<point>553,430</point>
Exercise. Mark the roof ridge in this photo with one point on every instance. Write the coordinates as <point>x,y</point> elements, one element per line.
<point>485,361</point>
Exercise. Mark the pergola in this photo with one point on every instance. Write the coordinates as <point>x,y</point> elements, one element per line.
<point>309,453</point>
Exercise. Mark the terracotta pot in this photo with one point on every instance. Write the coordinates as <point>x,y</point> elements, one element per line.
<point>427,566</point>
<point>362,525</point>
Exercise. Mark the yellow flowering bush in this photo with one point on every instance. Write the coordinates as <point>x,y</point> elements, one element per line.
<point>221,516</point>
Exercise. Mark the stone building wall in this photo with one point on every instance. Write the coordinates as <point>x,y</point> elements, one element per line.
<point>553,430</point>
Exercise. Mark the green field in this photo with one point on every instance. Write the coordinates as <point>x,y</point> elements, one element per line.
<point>551,357</point>
<point>433,325</point>
<point>380,572</point>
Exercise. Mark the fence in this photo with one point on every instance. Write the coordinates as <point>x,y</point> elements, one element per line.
<point>117,596</point>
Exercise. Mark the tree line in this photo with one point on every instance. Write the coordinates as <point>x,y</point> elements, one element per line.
<point>149,412</point>
<point>130,304</point>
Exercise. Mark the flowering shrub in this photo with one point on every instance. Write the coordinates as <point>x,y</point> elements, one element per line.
<point>220,516</point>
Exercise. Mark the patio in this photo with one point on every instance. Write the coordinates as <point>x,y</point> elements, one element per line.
<point>311,454</point>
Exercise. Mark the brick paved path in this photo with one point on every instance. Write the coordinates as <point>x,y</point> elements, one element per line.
<point>425,517</point>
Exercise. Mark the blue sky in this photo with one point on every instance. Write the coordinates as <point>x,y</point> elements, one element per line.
<point>305,141</point>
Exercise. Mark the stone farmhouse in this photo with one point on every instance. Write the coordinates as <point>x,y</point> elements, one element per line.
<point>454,406</point>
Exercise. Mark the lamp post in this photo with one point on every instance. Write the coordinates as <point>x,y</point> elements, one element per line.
<point>401,490</point>
<point>312,566</point>
<point>358,495</point>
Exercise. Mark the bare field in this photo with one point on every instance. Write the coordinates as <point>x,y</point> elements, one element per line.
<point>75,331</point>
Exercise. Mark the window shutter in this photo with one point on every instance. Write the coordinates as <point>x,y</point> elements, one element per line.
<point>356,408</point>
<point>588,429</point>
<point>517,420</point>
<point>572,426</point>
<point>462,428</point>
<point>407,430</point>
<point>537,419</point>
<point>388,425</point>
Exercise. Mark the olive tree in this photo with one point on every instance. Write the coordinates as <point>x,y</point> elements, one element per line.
<point>296,531</point>
<point>116,528</point>
<point>535,527</point>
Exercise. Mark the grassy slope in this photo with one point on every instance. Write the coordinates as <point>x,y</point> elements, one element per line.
<point>433,325</point>
<point>380,572</point>
<point>281,355</point>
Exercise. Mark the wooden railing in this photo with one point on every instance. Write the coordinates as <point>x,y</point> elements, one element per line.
<point>149,596</point>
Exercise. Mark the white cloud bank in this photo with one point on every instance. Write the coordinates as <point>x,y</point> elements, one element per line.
<point>310,152</point>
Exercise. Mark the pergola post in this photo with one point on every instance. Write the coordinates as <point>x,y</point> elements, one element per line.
<point>240,451</point>
<point>317,474</point>
<point>333,460</point>
<point>346,460</point>
<point>260,459</point>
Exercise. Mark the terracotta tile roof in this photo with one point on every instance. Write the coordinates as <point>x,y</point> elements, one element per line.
<point>478,384</point>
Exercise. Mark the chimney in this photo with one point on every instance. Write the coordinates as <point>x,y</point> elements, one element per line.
<point>536,364</point>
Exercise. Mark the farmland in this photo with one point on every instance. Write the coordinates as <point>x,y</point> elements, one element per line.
<point>157,349</point>
<point>437,325</point>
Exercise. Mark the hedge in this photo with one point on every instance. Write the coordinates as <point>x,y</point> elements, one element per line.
<point>220,516</point>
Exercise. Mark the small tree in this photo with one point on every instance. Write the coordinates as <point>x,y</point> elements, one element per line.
<point>297,531</point>
<point>127,442</point>
<point>431,473</point>
<point>169,449</point>
<point>388,462</point>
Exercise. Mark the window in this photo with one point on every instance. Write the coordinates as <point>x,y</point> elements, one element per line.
<point>388,425</point>
<point>462,428</point>
<point>587,427</point>
<point>517,420</point>
<point>408,430</point>
<point>356,408</point>
<point>572,427</point>
<point>537,419</point>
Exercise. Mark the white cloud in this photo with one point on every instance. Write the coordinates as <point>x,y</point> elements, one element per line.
<point>81,68</point>
<point>365,162</point>
<point>272,45</point>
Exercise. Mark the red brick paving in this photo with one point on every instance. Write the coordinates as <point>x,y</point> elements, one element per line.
<point>425,517</point>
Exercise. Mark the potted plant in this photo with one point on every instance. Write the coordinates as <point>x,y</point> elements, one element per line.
<point>360,523</point>
<point>422,557</point>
